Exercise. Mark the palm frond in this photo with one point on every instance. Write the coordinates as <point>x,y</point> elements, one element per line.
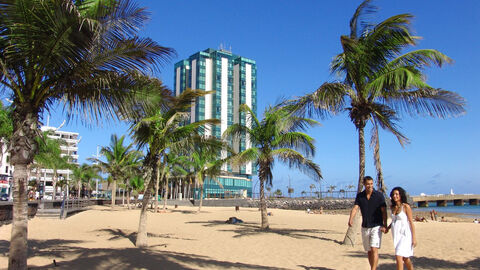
<point>296,140</point>
<point>328,99</point>
<point>428,102</point>
<point>295,159</point>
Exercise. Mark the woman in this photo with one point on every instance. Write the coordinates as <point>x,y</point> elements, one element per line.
<point>403,231</point>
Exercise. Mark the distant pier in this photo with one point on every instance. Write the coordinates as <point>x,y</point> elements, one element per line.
<point>442,200</point>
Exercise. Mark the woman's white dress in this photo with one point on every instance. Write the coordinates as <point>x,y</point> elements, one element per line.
<point>402,235</point>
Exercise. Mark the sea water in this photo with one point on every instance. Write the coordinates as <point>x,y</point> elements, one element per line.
<point>467,211</point>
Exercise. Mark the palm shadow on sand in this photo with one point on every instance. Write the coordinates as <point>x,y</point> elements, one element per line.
<point>132,236</point>
<point>68,256</point>
<point>315,267</point>
<point>250,228</point>
<point>387,261</point>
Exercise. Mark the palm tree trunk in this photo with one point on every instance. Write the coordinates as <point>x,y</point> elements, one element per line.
<point>114,192</point>
<point>123,197</point>
<point>54,196</point>
<point>128,199</point>
<point>378,164</point>
<point>351,232</point>
<point>361,157</point>
<point>25,125</point>
<point>79,189</point>
<point>263,206</point>
<point>18,241</point>
<point>142,237</point>
<point>157,187</point>
<point>201,199</point>
<point>165,197</point>
<point>166,194</point>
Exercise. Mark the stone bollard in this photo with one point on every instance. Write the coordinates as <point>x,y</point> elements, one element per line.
<point>237,208</point>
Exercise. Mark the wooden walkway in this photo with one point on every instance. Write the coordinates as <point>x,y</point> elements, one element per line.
<point>68,207</point>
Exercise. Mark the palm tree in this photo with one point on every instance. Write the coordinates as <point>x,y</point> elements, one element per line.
<point>380,83</point>
<point>277,136</point>
<point>119,160</point>
<point>350,187</point>
<point>277,193</point>
<point>206,164</point>
<point>49,155</point>
<point>164,130</point>
<point>303,193</point>
<point>331,188</point>
<point>84,54</point>
<point>136,185</point>
<point>83,175</point>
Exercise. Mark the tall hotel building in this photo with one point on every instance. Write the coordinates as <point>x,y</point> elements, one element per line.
<point>234,80</point>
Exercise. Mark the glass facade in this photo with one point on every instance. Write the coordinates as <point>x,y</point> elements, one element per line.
<point>234,81</point>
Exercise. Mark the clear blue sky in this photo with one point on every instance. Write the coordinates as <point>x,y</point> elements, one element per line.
<point>293,43</point>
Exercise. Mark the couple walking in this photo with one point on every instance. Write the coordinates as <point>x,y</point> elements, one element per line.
<point>374,222</point>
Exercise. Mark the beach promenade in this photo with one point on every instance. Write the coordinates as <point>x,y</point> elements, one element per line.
<point>103,238</point>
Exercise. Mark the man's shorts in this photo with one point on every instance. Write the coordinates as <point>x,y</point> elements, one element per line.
<point>371,237</point>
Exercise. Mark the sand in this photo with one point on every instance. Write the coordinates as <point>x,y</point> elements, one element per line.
<point>103,238</point>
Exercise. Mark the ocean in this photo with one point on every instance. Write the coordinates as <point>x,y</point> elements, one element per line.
<point>468,211</point>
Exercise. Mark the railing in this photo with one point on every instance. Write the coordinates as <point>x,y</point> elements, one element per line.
<point>74,205</point>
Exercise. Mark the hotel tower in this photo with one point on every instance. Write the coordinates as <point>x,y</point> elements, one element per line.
<point>234,81</point>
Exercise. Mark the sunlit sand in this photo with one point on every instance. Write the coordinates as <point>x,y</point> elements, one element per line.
<point>103,238</point>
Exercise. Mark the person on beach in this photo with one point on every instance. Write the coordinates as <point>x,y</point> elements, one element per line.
<point>374,219</point>
<point>403,230</point>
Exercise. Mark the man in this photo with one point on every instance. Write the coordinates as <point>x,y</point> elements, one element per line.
<point>374,219</point>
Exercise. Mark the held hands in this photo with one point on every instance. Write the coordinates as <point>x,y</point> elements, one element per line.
<point>384,229</point>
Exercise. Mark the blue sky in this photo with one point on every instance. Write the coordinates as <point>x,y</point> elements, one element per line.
<point>293,43</point>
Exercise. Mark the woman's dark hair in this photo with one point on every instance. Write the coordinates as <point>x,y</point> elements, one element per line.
<point>403,195</point>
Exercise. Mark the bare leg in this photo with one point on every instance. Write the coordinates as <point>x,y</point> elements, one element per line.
<point>373,258</point>
<point>399,262</point>
<point>408,263</point>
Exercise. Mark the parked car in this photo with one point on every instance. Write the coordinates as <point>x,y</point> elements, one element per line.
<point>4,197</point>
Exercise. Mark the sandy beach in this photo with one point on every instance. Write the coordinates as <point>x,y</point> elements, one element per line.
<point>103,238</point>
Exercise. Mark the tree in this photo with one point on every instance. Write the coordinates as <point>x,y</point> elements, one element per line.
<point>119,160</point>
<point>379,83</point>
<point>331,188</point>
<point>86,55</point>
<point>49,156</point>
<point>206,164</point>
<point>163,130</point>
<point>136,185</point>
<point>83,175</point>
<point>278,193</point>
<point>303,193</point>
<point>277,136</point>
<point>173,164</point>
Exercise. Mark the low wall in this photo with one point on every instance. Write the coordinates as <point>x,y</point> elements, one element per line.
<point>283,203</point>
<point>6,211</point>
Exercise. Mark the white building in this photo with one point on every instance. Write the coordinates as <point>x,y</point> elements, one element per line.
<point>6,170</point>
<point>70,149</point>
<point>234,80</point>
